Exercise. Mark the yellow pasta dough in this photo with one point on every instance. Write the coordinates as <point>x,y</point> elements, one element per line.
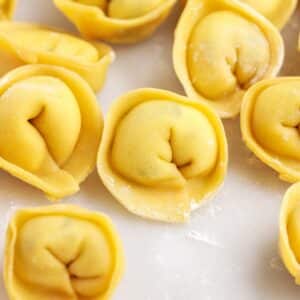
<point>7,8</point>
<point>289,236</point>
<point>270,120</point>
<point>221,48</point>
<point>117,21</point>
<point>162,154</point>
<point>50,128</point>
<point>299,42</point>
<point>22,43</point>
<point>277,11</point>
<point>62,252</point>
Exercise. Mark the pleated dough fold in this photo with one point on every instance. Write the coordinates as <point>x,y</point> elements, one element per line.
<point>23,43</point>
<point>62,252</point>
<point>270,119</point>
<point>116,21</point>
<point>162,154</point>
<point>221,49</point>
<point>50,128</point>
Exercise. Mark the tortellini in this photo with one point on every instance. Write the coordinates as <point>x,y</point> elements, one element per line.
<point>162,154</point>
<point>50,128</point>
<point>22,43</point>
<point>221,48</point>
<point>289,237</point>
<point>277,11</point>
<point>7,8</point>
<point>270,119</point>
<point>62,252</point>
<point>117,21</point>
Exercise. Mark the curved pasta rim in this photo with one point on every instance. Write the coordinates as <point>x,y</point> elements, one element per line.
<point>179,50</point>
<point>114,115</point>
<point>287,205</point>
<point>74,211</point>
<point>109,52</point>
<point>66,4</point>
<point>285,173</point>
<point>26,176</point>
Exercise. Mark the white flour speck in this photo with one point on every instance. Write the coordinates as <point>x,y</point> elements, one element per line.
<point>204,238</point>
<point>276,264</point>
